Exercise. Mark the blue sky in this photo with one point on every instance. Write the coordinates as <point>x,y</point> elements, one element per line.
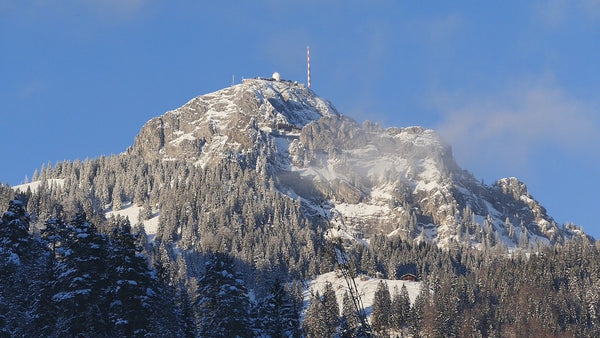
<point>511,85</point>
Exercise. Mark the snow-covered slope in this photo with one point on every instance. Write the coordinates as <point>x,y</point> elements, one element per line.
<point>366,287</point>
<point>362,180</point>
<point>34,186</point>
<point>132,212</point>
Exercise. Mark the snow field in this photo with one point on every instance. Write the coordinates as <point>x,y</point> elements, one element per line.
<point>132,211</point>
<point>59,182</point>
<point>366,288</point>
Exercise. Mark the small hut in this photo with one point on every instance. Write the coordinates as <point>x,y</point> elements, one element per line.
<point>409,277</point>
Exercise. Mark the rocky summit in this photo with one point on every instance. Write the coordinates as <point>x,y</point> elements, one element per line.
<point>360,179</point>
<point>231,215</point>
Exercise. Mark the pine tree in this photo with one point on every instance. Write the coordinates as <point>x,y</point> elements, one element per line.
<point>349,322</point>
<point>17,270</point>
<point>382,306</point>
<point>524,238</point>
<point>187,325</point>
<point>511,230</point>
<point>295,292</point>
<point>78,291</point>
<point>133,284</point>
<point>276,314</point>
<point>331,310</point>
<point>15,241</point>
<point>222,303</point>
<point>54,236</point>
<point>314,324</point>
<point>404,305</point>
<point>418,308</point>
<point>400,308</point>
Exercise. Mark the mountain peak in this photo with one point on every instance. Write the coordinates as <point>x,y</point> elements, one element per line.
<point>361,180</point>
<point>230,120</point>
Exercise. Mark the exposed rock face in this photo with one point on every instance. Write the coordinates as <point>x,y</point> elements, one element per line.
<point>362,179</point>
<point>230,120</point>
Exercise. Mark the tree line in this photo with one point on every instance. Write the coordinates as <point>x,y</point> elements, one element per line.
<point>73,279</point>
<point>267,243</point>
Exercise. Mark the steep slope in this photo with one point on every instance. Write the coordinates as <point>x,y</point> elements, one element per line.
<point>230,120</point>
<point>361,179</point>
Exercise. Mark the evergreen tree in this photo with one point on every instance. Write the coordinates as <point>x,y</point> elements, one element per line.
<point>331,310</point>
<point>417,310</point>
<point>295,292</point>
<point>18,271</point>
<point>322,315</point>
<point>54,236</point>
<point>400,308</point>
<point>187,325</point>
<point>78,291</point>
<point>15,241</point>
<point>382,308</point>
<point>222,303</point>
<point>349,323</point>
<point>314,324</point>
<point>524,237</point>
<point>133,284</point>
<point>276,315</point>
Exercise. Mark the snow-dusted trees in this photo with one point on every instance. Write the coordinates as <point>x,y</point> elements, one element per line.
<point>322,315</point>
<point>74,281</point>
<point>132,291</point>
<point>277,315</point>
<point>222,305</point>
<point>349,323</point>
<point>18,270</point>
<point>234,207</point>
<point>314,325</point>
<point>382,308</point>
<point>14,232</point>
<point>400,308</point>
<point>331,309</point>
<point>78,292</point>
<point>95,285</point>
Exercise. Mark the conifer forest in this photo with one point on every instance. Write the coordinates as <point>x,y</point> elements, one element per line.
<point>232,258</point>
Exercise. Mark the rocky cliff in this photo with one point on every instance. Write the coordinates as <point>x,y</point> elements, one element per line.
<point>361,179</point>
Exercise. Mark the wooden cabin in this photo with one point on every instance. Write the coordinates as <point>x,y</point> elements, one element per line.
<point>409,277</point>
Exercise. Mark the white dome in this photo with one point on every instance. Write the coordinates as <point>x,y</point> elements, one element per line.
<point>276,76</point>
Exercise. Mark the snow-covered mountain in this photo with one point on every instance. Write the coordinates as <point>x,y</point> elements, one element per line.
<point>266,193</point>
<point>361,180</point>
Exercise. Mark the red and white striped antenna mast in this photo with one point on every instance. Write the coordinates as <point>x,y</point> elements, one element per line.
<point>308,63</point>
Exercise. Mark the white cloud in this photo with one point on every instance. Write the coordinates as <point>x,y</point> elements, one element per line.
<point>509,127</point>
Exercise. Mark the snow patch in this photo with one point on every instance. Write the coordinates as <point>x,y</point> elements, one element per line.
<point>366,288</point>
<point>362,210</point>
<point>132,212</point>
<point>34,186</point>
<point>183,137</point>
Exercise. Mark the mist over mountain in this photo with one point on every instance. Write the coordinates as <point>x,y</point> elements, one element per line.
<point>230,215</point>
<point>361,179</point>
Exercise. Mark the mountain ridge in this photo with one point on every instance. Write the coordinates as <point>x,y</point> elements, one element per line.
<point>362,179</point>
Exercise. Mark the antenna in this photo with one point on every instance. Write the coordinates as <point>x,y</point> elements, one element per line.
<point>308,62</point>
